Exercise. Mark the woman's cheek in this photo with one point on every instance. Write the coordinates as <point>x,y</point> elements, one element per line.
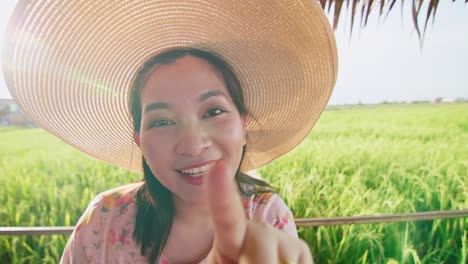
<point>229,128</point>
<point>154,141</point>
<point>231,137</point>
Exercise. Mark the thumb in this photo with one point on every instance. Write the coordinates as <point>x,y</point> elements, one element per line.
<point>227,213</point>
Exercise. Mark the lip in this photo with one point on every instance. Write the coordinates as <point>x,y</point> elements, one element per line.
<point>194,180</point>
<point>197,165</point>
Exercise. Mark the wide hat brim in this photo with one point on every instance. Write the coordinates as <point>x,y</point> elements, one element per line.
<point>69,65</point>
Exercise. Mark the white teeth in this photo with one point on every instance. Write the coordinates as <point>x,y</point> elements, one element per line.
<point>196,172</point>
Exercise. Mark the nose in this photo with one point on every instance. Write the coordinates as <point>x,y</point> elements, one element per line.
<point>192,139</point>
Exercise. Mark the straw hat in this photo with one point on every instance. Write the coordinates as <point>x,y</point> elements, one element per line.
<point>69,65</point>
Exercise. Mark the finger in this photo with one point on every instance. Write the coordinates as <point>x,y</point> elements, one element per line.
<point>226,212</point>
<point>260,245</point>
<point>293,250</point>
<point>305,256</point>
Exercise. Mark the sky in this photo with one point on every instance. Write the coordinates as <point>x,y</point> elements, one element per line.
<point>384,60</point>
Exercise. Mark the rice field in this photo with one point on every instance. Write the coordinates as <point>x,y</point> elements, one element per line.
<point>358,161</point>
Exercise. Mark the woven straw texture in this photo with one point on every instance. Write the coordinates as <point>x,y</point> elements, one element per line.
<point>69,65</point>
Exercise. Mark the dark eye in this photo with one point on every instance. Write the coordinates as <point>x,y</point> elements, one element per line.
<point>161,123</point>
<point>214,112</point>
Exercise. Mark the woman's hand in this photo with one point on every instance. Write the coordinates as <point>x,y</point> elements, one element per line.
<point>238,240</point>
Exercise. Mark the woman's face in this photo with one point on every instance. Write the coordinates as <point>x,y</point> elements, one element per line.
<point>189,123</point>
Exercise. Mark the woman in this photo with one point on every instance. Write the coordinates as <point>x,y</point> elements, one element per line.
<point>215,89</point>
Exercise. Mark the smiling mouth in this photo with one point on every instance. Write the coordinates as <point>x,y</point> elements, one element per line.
<point>196,172</point>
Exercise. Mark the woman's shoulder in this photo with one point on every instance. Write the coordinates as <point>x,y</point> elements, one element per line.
<point>119,195</point>
<point>104,231</point>
<point>256,203</point>
<point>270,208</point>
<point>124,190</point>
<point>111,204</point>
<point>264,201</point>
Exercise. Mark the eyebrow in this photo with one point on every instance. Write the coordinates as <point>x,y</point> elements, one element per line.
<point>203,97</point>
<point>211,93</point>
<point>156,106</point>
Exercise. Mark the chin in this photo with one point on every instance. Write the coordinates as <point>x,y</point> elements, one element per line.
<point>194,200</point>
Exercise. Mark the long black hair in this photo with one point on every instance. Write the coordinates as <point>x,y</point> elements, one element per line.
<point>155,206</point>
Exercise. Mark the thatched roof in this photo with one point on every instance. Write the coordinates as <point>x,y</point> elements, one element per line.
<point>421,11</point>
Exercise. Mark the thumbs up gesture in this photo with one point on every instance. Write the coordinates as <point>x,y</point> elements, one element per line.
<point>238,240</point>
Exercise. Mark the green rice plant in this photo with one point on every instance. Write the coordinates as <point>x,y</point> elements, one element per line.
<point>380,160</point>
<point>369,160</point>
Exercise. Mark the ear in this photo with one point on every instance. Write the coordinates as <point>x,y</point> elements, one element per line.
<point>244,124</point>
<point>136,138</point>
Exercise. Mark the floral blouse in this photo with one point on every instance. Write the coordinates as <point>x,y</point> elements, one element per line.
<point>104,233</point>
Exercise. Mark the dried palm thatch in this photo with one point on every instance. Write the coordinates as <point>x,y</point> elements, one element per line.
<point>365,7</point>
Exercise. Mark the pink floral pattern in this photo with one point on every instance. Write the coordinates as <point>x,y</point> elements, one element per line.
<point>112,238</point>
<point>280,222</point>
<point>104,232</point>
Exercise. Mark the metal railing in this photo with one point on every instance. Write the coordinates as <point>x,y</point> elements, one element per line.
<point>304,222</point>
